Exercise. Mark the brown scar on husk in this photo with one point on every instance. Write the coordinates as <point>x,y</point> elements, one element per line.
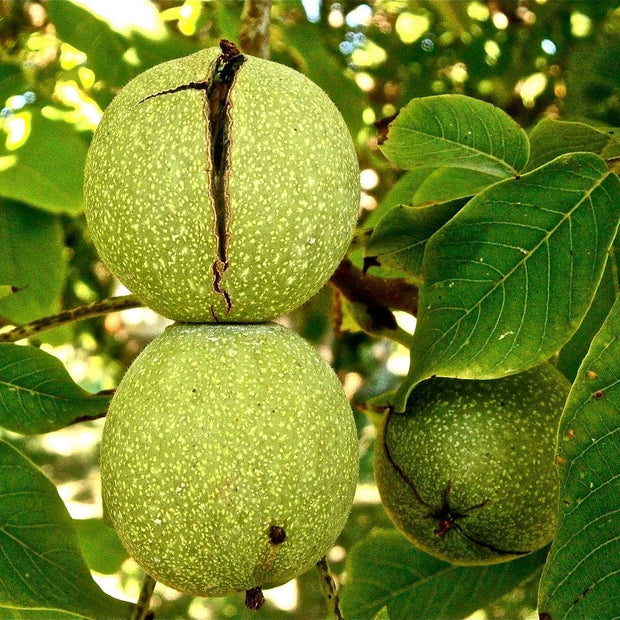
<point>218,122</point>
<point>277,534</point>
<point>215,89</point>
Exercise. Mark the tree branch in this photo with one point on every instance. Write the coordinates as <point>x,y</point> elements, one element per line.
<point>373,291</point>
<point>328,587</point>
<point>87,311</point>
<point>254,32</point>
<point>371,300</point>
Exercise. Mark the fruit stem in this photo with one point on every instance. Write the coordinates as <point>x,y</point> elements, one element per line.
<point>254,599</point>
<point>330,592</point>
<point>79,313</point>
<point>141,611</point>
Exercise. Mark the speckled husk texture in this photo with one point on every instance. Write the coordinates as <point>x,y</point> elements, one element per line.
<point>289,190</point>
<point>467,472</point>
<point>229,458</point>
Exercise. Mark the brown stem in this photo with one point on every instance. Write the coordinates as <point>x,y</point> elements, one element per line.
<point>141,610</point>
<point>373,291</point>
<point>328,587</point>
<point>254,32</point>
<point>254,599</point>
<point>87,311</point>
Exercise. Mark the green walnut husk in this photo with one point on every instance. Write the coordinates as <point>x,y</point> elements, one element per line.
<point>229,458</point>
<point>467,473</point>
<point>221,187</point>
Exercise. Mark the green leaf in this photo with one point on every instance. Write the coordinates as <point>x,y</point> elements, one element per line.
<point>385,569</point>
<point>450,183</point>
<point>378,321</point>
<point>550,139</point>
<point>40,563</point>
<point>399,239</point>
<point>37,395</point>
<point>104,47</point>
<point>576,348</point>
<point>100,545</point>
<point>582,576</point>
<point>511,276</point>
<point>9,613</point>
<point>456,131</point>
<point>7,289</point>
<point>31,261</point>
<point>425,185</point>
<point>46,170</point>
<point>401,193</point>
<point>107,48</point>
<point>382,614</point>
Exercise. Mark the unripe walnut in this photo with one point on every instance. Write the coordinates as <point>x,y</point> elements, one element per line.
<point>467,472</point>
<point>222,187</point>
<point>229,458</point>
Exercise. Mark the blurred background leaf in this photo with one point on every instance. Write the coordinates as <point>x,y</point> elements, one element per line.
<point>31,261</point>
<point>100,545</point>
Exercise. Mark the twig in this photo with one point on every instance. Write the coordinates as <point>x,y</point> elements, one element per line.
<point>87,311</point>
<point>378,321</point>
<point>374,291</point>
<point>328,586</point>
<point>141,610</point>
<point>254,32</point>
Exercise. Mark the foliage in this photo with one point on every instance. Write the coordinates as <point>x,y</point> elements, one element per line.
<point>415,585</point>
<point>43,567</point>
<point>579,578</point>
<point>490,201</point>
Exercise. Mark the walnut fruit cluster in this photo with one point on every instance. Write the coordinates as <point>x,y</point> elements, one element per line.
<point>223,191</point>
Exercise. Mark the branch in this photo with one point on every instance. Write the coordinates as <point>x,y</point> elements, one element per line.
<point>371,300</point>
<point>254,32</point>
<point>328,587</point>
<point>87,311</point>
<point>373,291</point>
<point>141,610</point>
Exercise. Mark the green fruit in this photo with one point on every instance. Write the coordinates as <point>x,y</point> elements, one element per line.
<point>229,458</point>
<point>467,472</point>
<point>222,187</point>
